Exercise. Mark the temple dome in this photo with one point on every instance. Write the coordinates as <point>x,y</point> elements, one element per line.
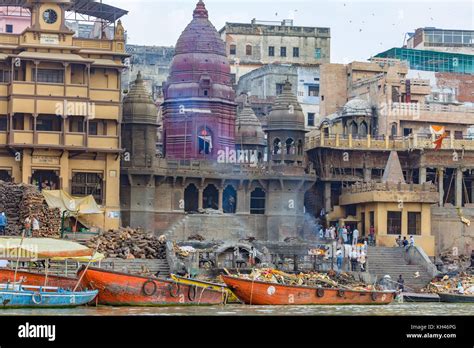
<point>248,129</point>
<point>357,107</point>
<point>286,113</point>
<point>138,105</point>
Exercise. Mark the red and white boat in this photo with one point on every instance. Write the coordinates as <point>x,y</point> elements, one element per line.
<point>254,292</point>
<point>122,289</point>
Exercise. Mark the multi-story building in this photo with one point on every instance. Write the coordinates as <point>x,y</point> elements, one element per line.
<point>250,46</point>
<point>265,83</point>
<point>442,40</point>
<point>60,107</point>
<point>14,19</point>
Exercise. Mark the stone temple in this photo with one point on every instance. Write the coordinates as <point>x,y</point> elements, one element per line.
<point>221,175</point>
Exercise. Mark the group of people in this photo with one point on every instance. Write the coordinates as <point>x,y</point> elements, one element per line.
<point>404,243</point>
<point>343,233</point>
<point>356,255</point>
<point>31,225</point>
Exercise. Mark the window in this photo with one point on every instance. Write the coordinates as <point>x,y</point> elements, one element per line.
<point>296,51</point>
<point>205,141</point>
<point>93,128</point>
<point>407,132</point>
<point>9,28</point>
<point>313,91</point>
<point>279,88</point>
<point>76,124</point>
<point>311,119</point>
<point>283,51</point>
<point>414,223</point>
<point>3,124</point>
<point>4,76</point>
<point>276,146</point>
<point>271,51</point>
<point>290,146</point>
<point>233,50</point>
<point>394,222</point>
<point>50,75</point>
<point>257,201</point>
<point>85,184</point>
<point>248,50</point>
<point>317,53</point>
<point>49,123</point>
<point>458,135</point>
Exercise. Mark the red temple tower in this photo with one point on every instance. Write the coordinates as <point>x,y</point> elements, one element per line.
<point>199,111</point>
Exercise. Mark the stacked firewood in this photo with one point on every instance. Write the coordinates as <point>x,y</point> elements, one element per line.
<point>21,201</point>
<point>128,243</point>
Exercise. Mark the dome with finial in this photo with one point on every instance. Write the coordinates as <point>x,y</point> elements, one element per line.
<point>200,67</point>
<point>138,105</point>
<point>286,113</point>
<point>248,129</point>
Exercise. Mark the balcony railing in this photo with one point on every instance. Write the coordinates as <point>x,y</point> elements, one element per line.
<point>384,142</point>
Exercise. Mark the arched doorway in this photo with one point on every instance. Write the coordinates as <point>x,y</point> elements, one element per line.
<point>257,201</point>
<point>191,199</point>
<point>229,200</point>
<point>210,198</point>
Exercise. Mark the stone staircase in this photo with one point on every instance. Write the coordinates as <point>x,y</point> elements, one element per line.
<point>391,261</point>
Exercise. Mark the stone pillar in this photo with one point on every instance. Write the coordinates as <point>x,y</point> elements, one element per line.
<point>458,187</point>
<point>327,196</point>
<point>441,186</point>
<point>367,174</point>
<point>200,197</point>
<point>422,175</point>
<point>221,199</point>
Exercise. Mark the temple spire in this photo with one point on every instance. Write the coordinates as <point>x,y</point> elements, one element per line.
<point>200,11</point>
<point>393,173</point>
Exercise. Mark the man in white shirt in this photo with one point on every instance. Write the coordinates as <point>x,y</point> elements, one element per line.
<point>355,236</point>
<point>354,257</point>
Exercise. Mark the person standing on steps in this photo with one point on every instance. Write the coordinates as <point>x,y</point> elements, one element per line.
<point>401,283</point>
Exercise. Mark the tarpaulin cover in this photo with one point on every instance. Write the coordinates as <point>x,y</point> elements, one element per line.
<point>65,202</point>
<point>41,248</point>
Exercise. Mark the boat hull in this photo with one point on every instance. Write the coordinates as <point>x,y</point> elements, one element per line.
<point>231,298</point>
<point>263,293</point>
<point>456,298</point>
<point>32,299</point>
<point>37,279</point>
<point>121,289</point>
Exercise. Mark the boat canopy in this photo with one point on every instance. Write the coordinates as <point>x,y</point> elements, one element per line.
<point>43,248</point>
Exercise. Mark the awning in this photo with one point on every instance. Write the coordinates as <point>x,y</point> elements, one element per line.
<point>41,248</point>
<point>76,205</point>
<point>64,57</point>
<point>107,63</point>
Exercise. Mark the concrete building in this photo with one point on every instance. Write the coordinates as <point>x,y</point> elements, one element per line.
<point>14,19</point>
<point>203,185</point>
<point>250,46</point>
<point>442,40</point>
<point>264,84</point>
<point>60,108</point>
<point>371,109</point>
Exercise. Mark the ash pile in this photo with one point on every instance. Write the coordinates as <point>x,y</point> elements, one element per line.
<point>129,244</point>
<point>19,201</point>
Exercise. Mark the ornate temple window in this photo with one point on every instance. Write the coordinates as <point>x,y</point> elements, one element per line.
<point>363,129</point>
<point>290,146</point>
<point>276,146</point>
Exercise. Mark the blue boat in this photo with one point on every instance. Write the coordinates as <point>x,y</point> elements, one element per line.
<point>25,296</point>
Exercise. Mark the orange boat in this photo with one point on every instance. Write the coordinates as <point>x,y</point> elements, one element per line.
<point>37,279</point>
<point>122,289</point>
<point>265,293</point>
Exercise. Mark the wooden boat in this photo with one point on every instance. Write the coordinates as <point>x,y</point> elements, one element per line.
<point>265,293</point>
<point>37,279</point>
<point>456,298</point>
<point>419,297</point>
<point>231,298</point>
<point>122,289</point>
<point>27,296</point>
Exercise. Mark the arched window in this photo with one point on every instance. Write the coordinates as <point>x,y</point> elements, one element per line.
<point>276,146</point>
<point>300,147</point>
<point>353,128</point>
<point>229,200</point>
<point>257,201</point>
<point>210,198</point>
<point>290,146</point>
<point>248,50</point>
<point>393,130</point>
<point>191,197</point>
<point>205,141</point>
<point>363,129</point>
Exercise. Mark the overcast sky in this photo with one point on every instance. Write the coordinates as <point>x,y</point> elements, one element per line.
<point>359,28</point>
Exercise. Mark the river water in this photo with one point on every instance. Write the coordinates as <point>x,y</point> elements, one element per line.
<point>433,309</point>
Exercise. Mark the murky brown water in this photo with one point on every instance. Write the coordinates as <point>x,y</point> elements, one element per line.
<point>443,309</point>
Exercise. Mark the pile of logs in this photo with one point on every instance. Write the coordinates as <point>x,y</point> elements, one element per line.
<point>21,201</point>
<point>128,243</point>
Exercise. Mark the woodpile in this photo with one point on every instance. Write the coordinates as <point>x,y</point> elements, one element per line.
<point>21,201</point>
<point>128,243</point>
